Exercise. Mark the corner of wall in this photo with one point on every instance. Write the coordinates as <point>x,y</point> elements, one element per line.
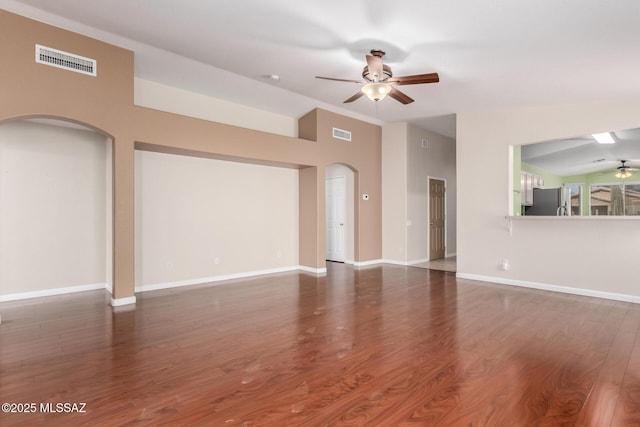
<point>308,126</point>
<point>394,191</point>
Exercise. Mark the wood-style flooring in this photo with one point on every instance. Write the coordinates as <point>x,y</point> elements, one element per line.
<point>443,264</point>
<point>378,346</point>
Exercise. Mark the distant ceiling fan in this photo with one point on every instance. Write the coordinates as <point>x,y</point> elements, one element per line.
<point>379,81</point>
<point>624,171</point>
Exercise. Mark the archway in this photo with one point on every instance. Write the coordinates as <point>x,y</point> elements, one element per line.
<point>56,208</point>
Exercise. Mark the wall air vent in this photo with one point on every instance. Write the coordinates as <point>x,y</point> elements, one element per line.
<point>342,134</point>
<point>65,60</point>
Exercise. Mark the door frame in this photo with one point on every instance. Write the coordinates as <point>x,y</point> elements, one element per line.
<point>446,216</point>
<point>345,219</point>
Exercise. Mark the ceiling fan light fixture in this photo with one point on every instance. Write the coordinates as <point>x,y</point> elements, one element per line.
<point>623,173</point>
<point>604,138</point>
<point>376,91</point>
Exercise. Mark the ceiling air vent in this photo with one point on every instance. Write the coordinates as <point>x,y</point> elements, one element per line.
<point>65,60</point>
<point>342,134</point>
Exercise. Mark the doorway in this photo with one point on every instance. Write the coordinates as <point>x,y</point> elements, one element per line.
<point>336,213</point>
<point>437,218</point>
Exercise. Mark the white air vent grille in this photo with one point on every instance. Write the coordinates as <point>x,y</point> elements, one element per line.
<point>65,60</point>
<point>342,134</point>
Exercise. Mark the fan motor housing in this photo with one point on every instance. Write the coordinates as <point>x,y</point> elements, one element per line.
<point>386,71</point>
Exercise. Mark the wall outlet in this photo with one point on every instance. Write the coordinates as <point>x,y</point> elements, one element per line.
<point>505,264</point>
<point>216,260</point>
<point>169,265</point>
<point>279,253</point>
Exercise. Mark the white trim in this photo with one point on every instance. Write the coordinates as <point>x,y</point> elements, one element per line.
<point>117,302</point>
<point>312,270</point>
<point>409,263</point>
<point>395,262</point>
<point>449,255</point>
<point>52,292</point>
<point>552,288</point>
<point>365,263</point>
<point>404,263</point>
<point>203,280</point>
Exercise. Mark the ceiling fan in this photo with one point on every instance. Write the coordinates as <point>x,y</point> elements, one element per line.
<point>624,171</point>
<point>379,81</point>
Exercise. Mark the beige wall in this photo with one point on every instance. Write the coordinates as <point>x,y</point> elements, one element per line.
<point>199,218</point>
<point>437,159</point>
<point>589,254</point>
<point>106,102</point>
<point>394,187</point>
<point>173,100</point>
<point>363,155</point>
<point>54,208</point>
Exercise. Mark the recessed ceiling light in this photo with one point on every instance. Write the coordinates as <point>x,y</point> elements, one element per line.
<point>274,77</point>
<point>604,138</point>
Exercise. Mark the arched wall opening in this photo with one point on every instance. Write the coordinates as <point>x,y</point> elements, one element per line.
<point>56,208</point>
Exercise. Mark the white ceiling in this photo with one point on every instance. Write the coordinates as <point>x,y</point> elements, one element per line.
<point>583,155</point>
<point>489,54</point>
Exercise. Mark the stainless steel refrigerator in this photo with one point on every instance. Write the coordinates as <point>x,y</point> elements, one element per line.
<point>550,202</point>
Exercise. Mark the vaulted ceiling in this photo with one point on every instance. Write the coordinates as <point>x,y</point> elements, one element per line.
<point>583,155</point>
<point>489,54</point>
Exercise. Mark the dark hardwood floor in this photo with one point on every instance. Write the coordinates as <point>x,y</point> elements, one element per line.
<point>380,346</point>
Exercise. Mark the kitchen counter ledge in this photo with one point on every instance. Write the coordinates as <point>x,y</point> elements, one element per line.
<point>573,217</point>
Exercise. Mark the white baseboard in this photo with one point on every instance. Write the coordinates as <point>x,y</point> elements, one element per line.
<point>395,262</point>
<point>366,263</point>
<point>51,292</point>
<point>212,279</point>
<point>552,288</point>
<point>449,255</point>
<point>363,263</point>
<point>117,302</point>
<point>409,263</point>
<point>312,270</point>
<point>404,263</point>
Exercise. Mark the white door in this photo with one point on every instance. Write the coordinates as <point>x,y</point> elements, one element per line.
<point>336,201</point>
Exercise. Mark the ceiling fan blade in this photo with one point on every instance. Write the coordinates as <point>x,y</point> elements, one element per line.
<point>376,71</point>
<point>354,97</point>
<point>415,80</point>
<point>400,96</point>
<point>340,80</point>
